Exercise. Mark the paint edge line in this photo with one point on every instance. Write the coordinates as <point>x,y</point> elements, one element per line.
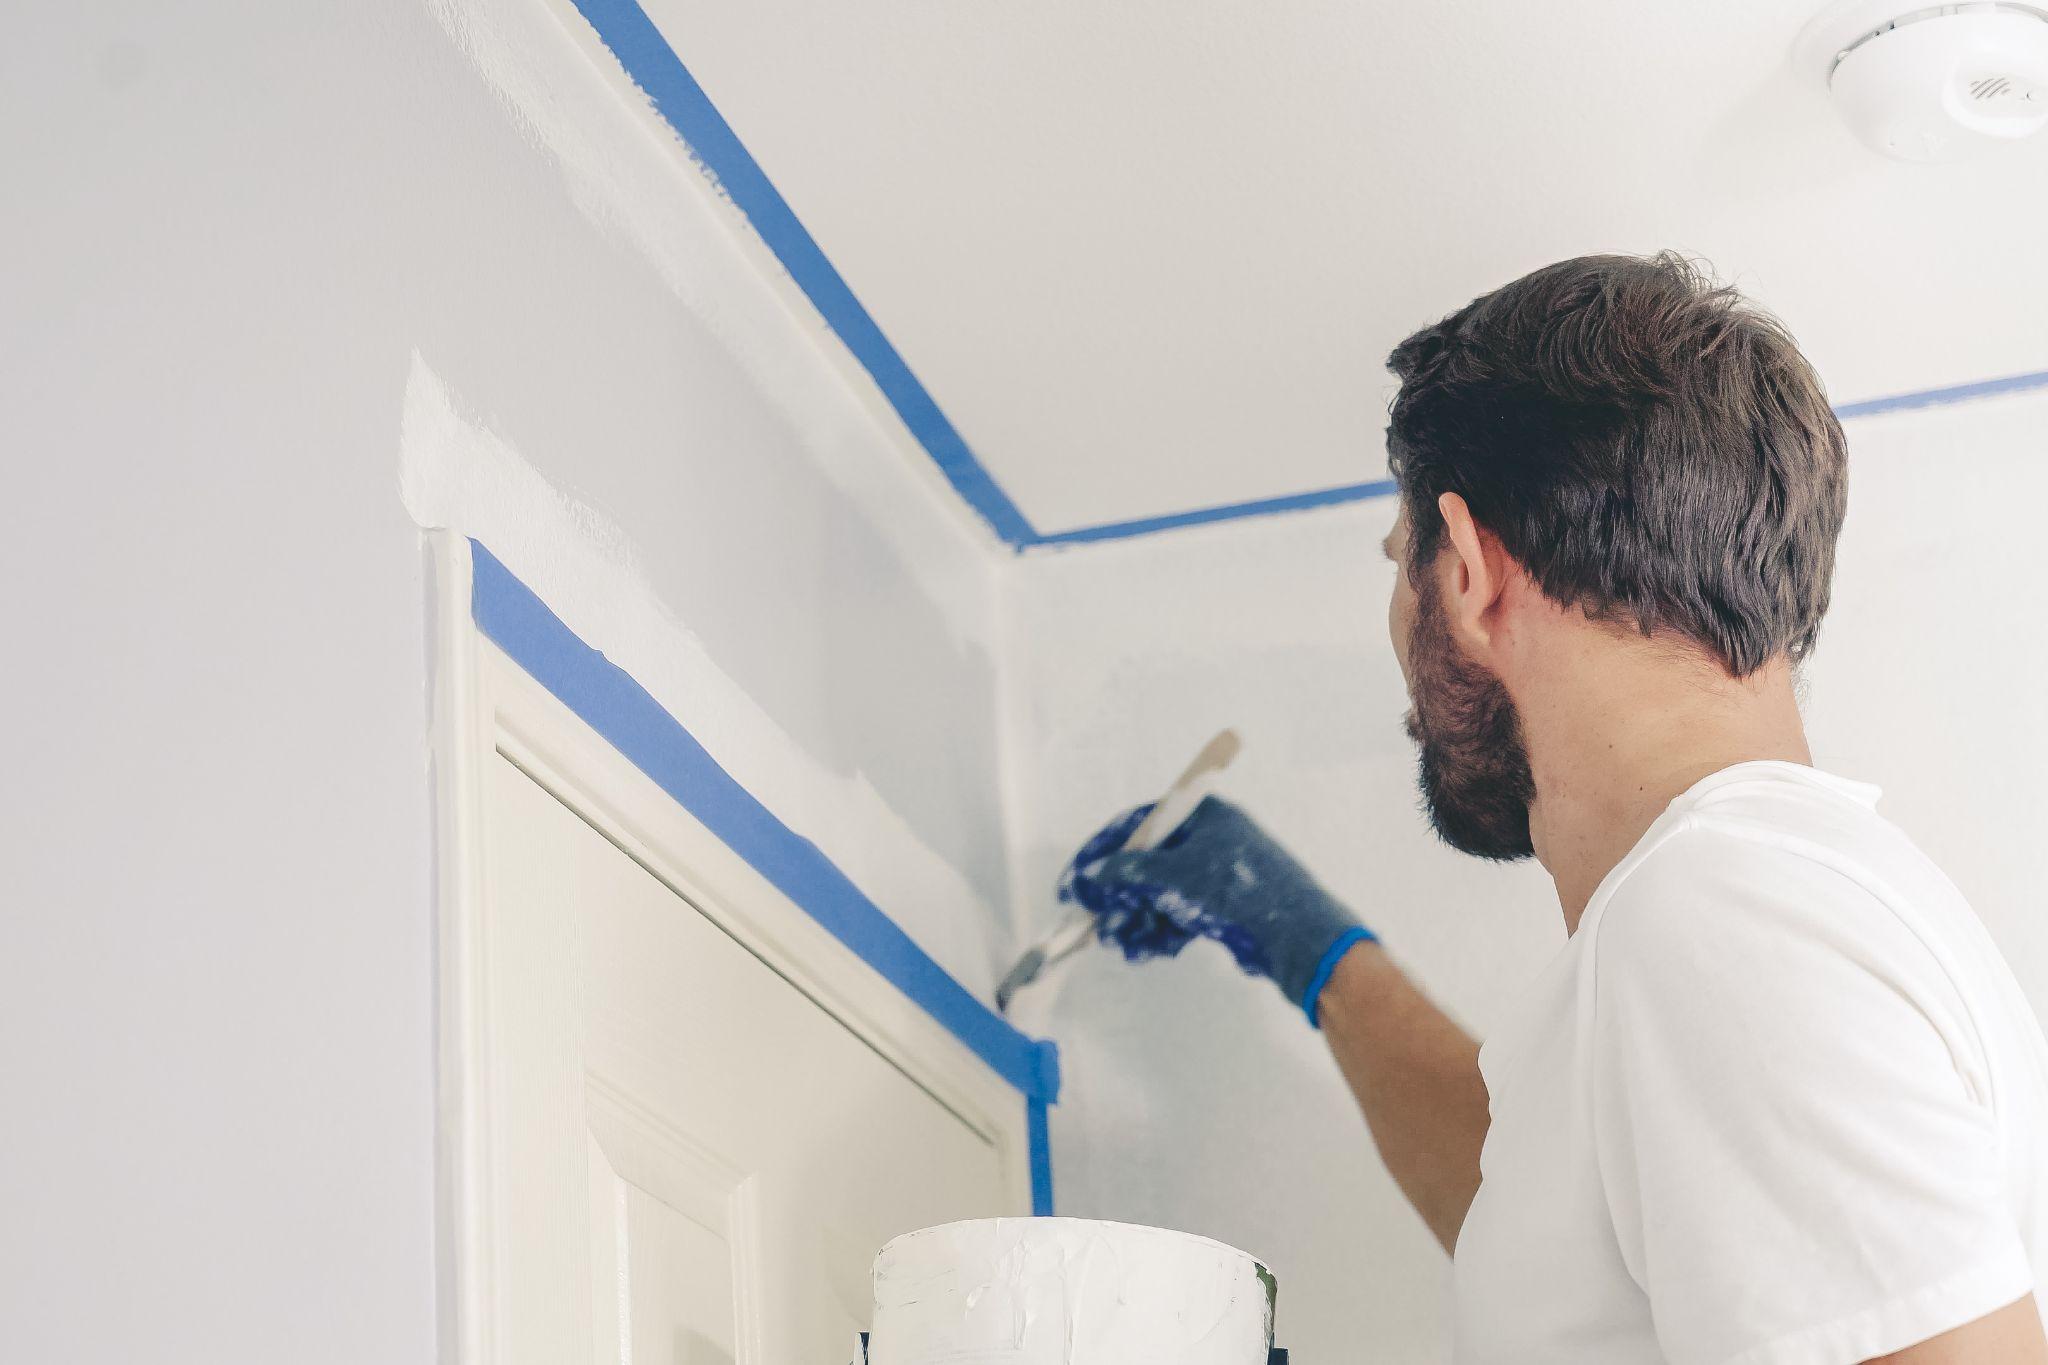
<point>657,69</point>
<point>1258,507</point>
<point>1846,412</point>
<point>1952,393</point>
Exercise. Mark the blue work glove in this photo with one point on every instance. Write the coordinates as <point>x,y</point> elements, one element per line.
<point>1218,876</point>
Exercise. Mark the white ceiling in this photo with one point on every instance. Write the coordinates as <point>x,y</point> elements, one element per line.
<point>1149,256</point>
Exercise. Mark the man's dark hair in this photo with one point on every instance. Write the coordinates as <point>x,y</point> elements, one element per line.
<point>1645,443</point>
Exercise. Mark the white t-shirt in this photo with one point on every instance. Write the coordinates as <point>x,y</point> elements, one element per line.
<point>1778,1101</point>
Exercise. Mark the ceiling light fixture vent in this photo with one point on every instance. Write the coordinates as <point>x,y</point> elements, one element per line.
<point>1932,84</point>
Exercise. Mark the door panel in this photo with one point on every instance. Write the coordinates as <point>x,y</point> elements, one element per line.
<point>694,1163</point>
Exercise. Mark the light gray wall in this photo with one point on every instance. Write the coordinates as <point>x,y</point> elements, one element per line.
<point>1198,1099</point>
<point>227,230</point>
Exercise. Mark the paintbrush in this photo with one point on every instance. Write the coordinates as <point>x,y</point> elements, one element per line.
<point>1073,932</point>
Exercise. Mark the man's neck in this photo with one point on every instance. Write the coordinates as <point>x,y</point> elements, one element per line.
<point>1617,729</point>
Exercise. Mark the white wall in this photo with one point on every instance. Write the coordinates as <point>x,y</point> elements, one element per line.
<point>244,244</point>
<point>1199,1099</point>
<point>1930,671</point>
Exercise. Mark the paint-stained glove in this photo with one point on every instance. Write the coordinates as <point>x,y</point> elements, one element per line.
<point>1217,876</point>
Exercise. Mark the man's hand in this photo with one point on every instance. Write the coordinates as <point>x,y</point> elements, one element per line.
<point>1217,876</point>
<point>1414,1072</point>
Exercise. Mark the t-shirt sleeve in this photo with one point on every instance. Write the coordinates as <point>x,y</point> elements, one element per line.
<point>1791,1116</point>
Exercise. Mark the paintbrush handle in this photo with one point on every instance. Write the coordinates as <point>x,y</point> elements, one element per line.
<point>1186,792</point>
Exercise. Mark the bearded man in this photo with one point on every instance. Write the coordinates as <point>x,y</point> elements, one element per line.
<point>1778,1100</point>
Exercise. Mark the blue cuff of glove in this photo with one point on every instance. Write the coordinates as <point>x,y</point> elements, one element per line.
<point>1346,941</point>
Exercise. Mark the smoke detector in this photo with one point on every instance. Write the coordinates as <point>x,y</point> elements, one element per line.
<point>1932,84</point>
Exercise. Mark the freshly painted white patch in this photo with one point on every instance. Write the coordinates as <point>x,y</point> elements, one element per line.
<point>778,505</point>
<point>629,173</point>
<point>1067,1291</point>
<point>457,474</point>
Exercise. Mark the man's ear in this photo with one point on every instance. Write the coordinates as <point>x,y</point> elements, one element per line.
<point>1478,572</point>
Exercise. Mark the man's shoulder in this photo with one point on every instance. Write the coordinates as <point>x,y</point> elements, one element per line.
<point>1737,882</point>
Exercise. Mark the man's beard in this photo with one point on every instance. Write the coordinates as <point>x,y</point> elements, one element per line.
<point>1471,762</point>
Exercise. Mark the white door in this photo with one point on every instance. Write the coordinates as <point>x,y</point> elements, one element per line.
<point>691,1162</point>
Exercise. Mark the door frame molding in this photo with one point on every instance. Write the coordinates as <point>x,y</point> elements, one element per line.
<point>484,703</point>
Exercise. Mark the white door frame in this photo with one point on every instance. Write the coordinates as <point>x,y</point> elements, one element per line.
<point>484,703</point>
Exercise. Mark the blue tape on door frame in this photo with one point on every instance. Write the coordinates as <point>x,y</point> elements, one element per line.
<point>1041,1158</point>
<point>635,724</point>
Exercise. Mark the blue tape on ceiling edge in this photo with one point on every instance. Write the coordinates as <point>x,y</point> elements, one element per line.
<point>635,724</point>
<point>632,37</point>
<point>1954,393</point>
<point>1357,492</point>
<point>1294,502</point>
<point>1041,1158</point>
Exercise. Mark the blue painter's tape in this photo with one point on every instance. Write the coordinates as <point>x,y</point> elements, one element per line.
<point>634,723</point>
<point>1041,1158</point>
<point>655,68</point>
<point>1954,393</point>
<point>1356,492</point>
<point>1294,502</point>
